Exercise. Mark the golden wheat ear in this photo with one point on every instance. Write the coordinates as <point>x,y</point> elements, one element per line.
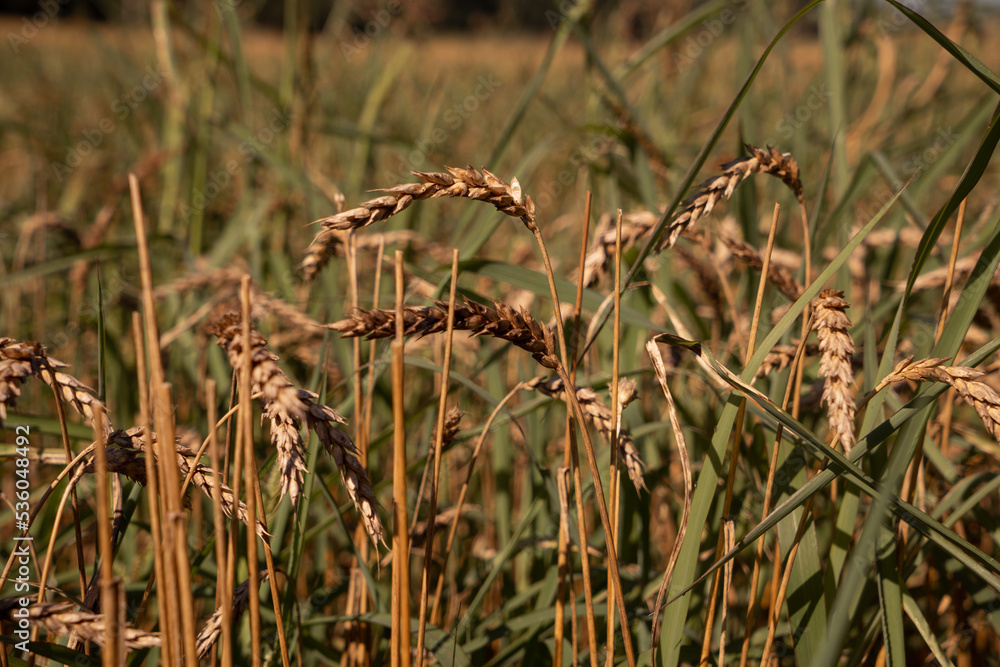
<point>288,408</point>
<point>830,322</point>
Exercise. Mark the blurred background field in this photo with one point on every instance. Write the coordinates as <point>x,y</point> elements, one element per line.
<point>246,122</point>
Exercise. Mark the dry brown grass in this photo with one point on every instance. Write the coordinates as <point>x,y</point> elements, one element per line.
<point>836,346</point>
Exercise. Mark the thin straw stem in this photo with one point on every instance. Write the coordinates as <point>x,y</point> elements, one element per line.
<point>438,440</point>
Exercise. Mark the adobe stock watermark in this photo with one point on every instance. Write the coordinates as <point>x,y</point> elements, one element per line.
<point>581,156</point>
<point>454,118</point>
<point>219,179</point>
<point>696,44</point>
<point>113,283</point>
<point>363,36</point>
<point>817,97</point>
<point>897,19</point>
<point>122,107</point>
<point>47,10</point>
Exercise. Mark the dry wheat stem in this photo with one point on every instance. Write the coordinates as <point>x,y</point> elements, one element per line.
<point>600,415</point>
<point>288,408</point>
<point>836,346</point>
<point>502,321</point>
<point>458,182</point>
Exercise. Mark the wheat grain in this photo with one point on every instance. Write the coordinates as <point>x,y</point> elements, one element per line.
<point>600,416</point>
<point>502,321</point>
<point>830,323</point>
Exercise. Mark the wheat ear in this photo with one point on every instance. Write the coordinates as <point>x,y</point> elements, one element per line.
<point>761,161</point>
<point>20,359</point>
<point>212,630</point>
<point>458,182</point>
<point>600,415</point>
<point>288,408</point>
<point>965,381</point>
<point>62,618</point>
<point>836,347</point>
<point>513,325</point>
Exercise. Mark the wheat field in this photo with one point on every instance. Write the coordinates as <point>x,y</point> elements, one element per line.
<point>645,335</point>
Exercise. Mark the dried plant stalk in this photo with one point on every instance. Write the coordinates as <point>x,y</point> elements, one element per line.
<point>502,321</point>
<point>830,323</point>
<point>288,408</point>
<point>468,183</point>
<point>600,415</point>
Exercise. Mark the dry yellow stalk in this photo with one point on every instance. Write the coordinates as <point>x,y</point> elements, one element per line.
<point>836,346</point>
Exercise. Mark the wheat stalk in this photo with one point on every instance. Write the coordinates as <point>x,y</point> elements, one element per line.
<point>600,415</point>
<point>458,182</point>
<point>502,321</point>
<point>830,323</point>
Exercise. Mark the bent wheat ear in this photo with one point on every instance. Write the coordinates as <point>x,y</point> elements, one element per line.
<point>600,415</point>
<point>830,323</point>
<point>701,203</point>
<point>964,379</point>
<point>466,183</point>
<point>212,630</point>
<point>288,407</point>
<point>515,326</point>
<point>762,161</point>
<point>20,359</point>
<point>62,618</point>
